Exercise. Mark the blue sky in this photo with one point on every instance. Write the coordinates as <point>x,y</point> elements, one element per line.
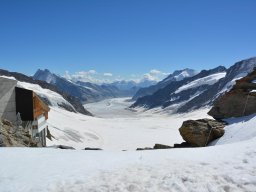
<point>125,37</point>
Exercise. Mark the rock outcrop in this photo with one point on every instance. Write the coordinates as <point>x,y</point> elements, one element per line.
<point>198,133</point>
<point>11,136</point>
<point>239,101</point>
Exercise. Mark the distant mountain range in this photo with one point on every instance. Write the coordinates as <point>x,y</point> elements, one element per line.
<point>90,92</point>
<point>195,91</point>
<point>180,92</point>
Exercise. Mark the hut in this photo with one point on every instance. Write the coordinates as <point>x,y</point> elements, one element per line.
<point>19,103</point>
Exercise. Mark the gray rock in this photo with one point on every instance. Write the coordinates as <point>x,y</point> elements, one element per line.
<point>161,146</point>
<point>198,133</point>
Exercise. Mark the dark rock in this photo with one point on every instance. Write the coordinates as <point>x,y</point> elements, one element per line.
<point>160,146</point>
<point>49,135</point>
<point>199,133</point>
<point>92,149</point>
<point>7,123</point>
<point>146,148</point>
<point>182,145</point>
<point>63,147</point>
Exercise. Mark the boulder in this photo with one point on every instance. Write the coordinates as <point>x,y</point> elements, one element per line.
<point>198,133</point>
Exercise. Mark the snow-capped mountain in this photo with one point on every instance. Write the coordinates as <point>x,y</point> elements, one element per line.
<point>90,92</point>
<point>85,91</point>
<point>45,75</point>
<point>180,75</point>
<point>177,93</point>
<point>197,91</point>
<point>175,76</point>
<point>48,92</point>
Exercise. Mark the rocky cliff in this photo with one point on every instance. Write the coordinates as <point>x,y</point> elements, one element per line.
<point>239,101</point>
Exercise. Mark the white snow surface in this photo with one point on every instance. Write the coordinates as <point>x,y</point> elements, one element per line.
<point>7,77</point>
<point>115,127</point>
<point>238,129</point>
<point>209,80</point>
<point>216,169</point>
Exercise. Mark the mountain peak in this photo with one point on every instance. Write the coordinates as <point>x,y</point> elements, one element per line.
<point>179,75</point>
<point>45,75</point>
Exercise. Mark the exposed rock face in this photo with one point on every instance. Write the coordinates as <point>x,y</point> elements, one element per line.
<point>10,136</point>
<point>200,132</point>
<point>239,101</point>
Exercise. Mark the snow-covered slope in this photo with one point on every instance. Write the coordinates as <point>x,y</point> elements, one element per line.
<point>209,80</point>
<point>238,129</point>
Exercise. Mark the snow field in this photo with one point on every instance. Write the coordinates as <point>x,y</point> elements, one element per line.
<point>218,168</point>
<point>117,129</point>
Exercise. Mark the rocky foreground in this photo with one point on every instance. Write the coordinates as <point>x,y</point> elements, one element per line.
<point>13,136</point>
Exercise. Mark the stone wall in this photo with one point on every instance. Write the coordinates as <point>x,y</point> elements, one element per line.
<point>7,99</point>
